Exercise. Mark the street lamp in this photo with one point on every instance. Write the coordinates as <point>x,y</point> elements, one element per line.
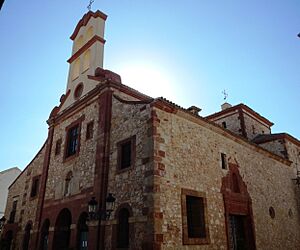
<point>96,214</point>
<point>299,35</point>
<point>2,221</point>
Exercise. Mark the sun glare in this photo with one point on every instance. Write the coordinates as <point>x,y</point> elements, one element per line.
<point>148,79</point>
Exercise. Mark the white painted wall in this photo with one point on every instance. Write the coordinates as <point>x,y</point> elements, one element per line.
<point>6,179</point>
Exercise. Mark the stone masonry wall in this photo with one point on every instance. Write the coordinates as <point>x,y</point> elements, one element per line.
<point>276,147</point>
<point>233,122</point>
<point>21,191</point>
<point>190,158</point>
<point>133,186</point>
<point>254,127</point>
<point>83,165</point>
<point>293,152</point>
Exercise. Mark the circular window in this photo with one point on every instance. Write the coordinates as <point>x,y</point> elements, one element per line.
<point>272,212</point>
<point>78,91</point>
<point>290,213</point>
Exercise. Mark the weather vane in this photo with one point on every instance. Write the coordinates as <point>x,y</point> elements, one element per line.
<point>90,4</point>
<point>225,94</point>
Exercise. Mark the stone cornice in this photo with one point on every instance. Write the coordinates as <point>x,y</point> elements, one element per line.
<point>132,102</point>
<point>216,128</point>
<point>272,137</point>
<point>240,107</point>
<point>163,104</point>
<point>82,102</point>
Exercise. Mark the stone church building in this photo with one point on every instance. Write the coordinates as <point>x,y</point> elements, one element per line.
<point>122,170</point>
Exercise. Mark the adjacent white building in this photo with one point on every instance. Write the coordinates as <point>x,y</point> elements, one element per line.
<point>6,179</point>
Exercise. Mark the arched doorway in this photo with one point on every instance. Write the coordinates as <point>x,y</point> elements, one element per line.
<point>238,210</point>
<point>123,229</point>
<point>44,235</point>
<point>7,240</point>
<point>26,238</point>
<point>62,230</point>
<point>82,232</point>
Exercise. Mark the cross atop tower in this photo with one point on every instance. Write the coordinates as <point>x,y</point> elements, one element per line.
<point>90,4</point>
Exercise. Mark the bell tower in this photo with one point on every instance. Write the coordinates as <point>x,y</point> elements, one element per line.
<point>87,55</point>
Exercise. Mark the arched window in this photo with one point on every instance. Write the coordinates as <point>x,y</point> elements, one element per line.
<point>68,180</point>
<point>82,232</point>
<point>86,60</point>
<point>26,238</point>
<point>235,184</point>
<point>76,69</point>
<point>89,33</point>
<point>123,229</point>
<point>45,235</point>
<point>62,230</point>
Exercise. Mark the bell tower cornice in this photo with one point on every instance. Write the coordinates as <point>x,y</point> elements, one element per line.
<point>85,47</point>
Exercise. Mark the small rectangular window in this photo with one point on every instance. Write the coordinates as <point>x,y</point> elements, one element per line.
<point>15,203</point>
<point>224,125</point>
<point>126,152</point>
<point>224,161</point>
<point>35,186</point>
<point>58,147</point>
<point>126,155</point>
<point>89,130</point>
<point>72,140</point>
<point>253,130</point>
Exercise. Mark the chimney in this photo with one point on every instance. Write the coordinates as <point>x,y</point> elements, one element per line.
<point>194,110</point>
<point>225,105</point>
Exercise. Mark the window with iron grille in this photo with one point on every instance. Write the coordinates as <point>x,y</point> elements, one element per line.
<point>194,214</point>
<point>72,140</point>
<point>195,217</point>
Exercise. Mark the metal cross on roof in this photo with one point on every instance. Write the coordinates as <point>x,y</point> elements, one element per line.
<point>225,94</point>
<point>90,4</point>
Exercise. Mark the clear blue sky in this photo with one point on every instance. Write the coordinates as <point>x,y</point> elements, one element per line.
<point>249,48</point>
